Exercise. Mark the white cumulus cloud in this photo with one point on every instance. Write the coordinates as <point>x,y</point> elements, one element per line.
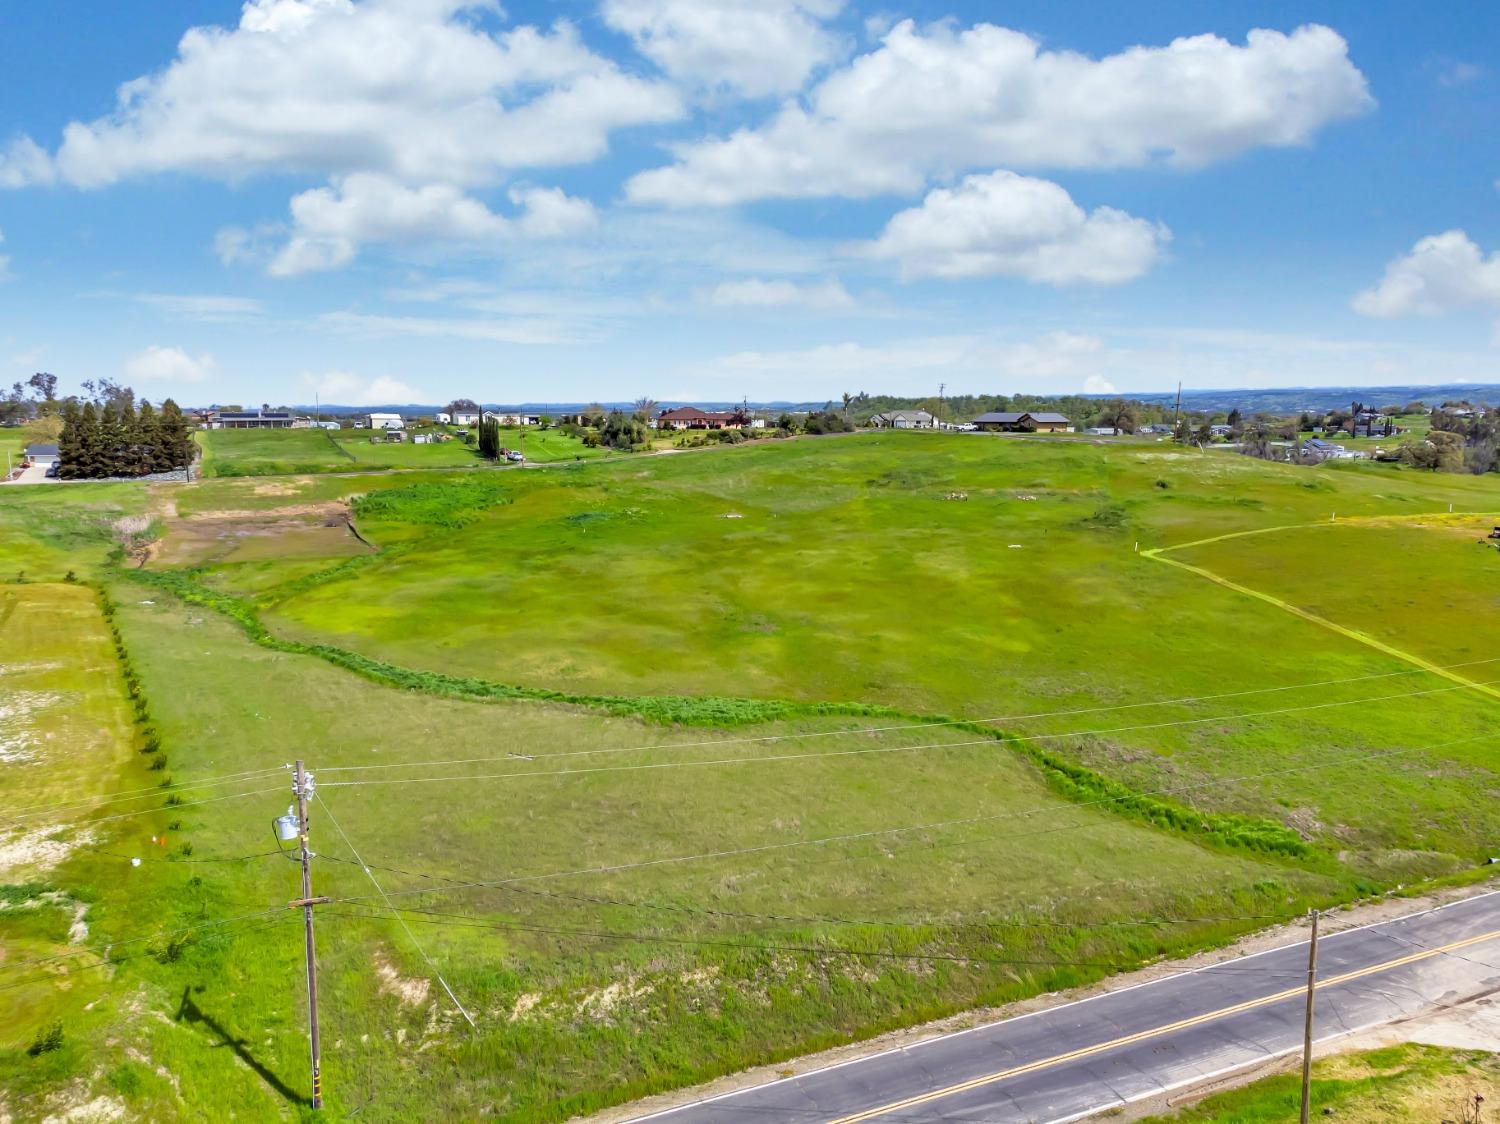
<point>420,96</point>
<point>330,224</point>
<point>934,101</point>
<point>169,364</point>
<point>1018,226</point>
<point>344,389</point>
<point>754,292</point>
<point>1442,272</point>
<point>418,89</point>
<point>757,47</point>
<point>1098,384</point>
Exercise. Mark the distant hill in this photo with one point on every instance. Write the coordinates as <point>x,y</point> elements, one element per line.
<point>1278,400</point>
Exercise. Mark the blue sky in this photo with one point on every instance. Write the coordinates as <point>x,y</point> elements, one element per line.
<point>410,200</point>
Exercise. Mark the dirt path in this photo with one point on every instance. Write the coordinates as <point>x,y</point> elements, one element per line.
<point>1158,554</point>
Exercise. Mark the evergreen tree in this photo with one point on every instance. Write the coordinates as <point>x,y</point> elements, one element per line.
<point>154,456</point>
<point>89,463</point>
<point>176,438</point>
<point>69,441</point>
<point>111,460</point>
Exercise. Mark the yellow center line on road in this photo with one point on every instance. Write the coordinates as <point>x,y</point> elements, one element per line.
<point>1157,1032</point>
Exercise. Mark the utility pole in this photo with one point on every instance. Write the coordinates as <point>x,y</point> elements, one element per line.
<point>1307,1025</point>
<point>302,785</point>
<point>1177,410</point>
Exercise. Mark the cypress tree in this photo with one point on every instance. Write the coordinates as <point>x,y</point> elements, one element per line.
<point>111,459</point>
<point>176,439</point>
<point>89,462</point>
<point>148,439</point>
<point>69,442</point>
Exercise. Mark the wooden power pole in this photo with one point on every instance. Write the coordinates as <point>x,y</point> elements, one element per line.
<point>1307,1023</point>
<point>302,787</point>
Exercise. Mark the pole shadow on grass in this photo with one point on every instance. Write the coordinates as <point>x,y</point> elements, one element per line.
<point>189,1011</point>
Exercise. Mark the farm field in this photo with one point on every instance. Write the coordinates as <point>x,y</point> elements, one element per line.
<point>754,751</point>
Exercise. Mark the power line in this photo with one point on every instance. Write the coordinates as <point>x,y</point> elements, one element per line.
<point>466,921</point>
<point>999,741</point>
<point>106,949</point>
<point>381,891</point>
<point>169,808</point>
<point>34,810</point>
<point>1181,701</point>
<point>855,836</point>
<point>111,961</point>
<point>816,918</point>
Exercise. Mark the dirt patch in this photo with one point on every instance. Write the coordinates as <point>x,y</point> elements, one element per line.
<point>75,1106</point>
<point>329,507</point>
<point>275,488</point>
<point>410,991</point>
<point>35,850</point>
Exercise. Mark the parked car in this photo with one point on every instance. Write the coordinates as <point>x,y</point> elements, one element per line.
<point>52,469</point>
<point>514,457</point>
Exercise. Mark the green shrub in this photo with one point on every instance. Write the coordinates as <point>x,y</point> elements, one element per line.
<point>450,503</point>
<point>49,1038</point>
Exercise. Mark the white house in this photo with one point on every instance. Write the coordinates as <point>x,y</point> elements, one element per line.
<point>1102,430</point>
<point>387,421</point>
<point>464,417</point>
<point>905,419</point>
<point>512,418</point>
<point>443,417</point>
<point>42,454</point>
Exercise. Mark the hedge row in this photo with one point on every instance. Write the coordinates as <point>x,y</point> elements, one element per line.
<point>148,737</point>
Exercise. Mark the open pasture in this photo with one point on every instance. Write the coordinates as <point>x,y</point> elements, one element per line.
<point>278,452</point>
<point>866,580</point>
<point>717,807</point>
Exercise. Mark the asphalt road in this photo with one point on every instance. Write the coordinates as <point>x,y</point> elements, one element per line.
<point>1068,1062</point>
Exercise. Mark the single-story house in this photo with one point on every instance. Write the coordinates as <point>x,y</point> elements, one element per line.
<point>255,419</point>
<point>1023,422</point>
<point>690,417</point>
<point>905,419</point>
<point>512,418</point>
<point>461,417</point>
<point>1156,428</point>
<point>42,454</point>
<point>1326,450</point>
<point>1102,431</point>
<point>1221,430</point>
<point>387,421</point>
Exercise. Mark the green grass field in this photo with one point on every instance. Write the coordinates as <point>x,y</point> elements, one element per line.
<point>278,452</point>
<point>1407,1084</point>
<point>678,714</point>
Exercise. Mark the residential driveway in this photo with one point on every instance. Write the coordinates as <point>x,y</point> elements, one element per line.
<point>36,474</point>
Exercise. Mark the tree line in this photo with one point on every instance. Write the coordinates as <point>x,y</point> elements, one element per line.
<point>117,439</point>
